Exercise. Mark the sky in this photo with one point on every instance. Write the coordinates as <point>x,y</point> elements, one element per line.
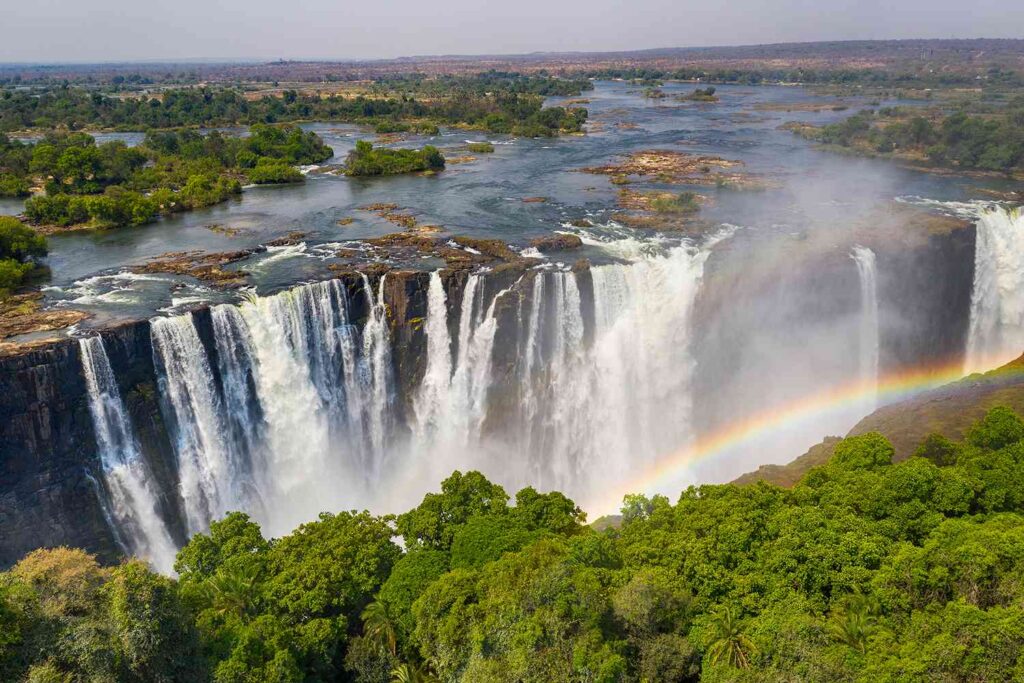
<point>135,30</point>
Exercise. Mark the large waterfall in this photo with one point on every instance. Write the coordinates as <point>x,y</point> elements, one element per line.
<point>868,338</point>
<point>555,378</point>
<point>300,417</point>
<point>130,500</point>
<point>997,301</point>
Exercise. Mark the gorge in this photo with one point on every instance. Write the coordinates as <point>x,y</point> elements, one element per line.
<point>364,389</point>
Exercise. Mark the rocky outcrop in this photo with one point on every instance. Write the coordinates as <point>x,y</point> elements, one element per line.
<point>949,410</point>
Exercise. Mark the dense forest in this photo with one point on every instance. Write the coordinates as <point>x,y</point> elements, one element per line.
<point>113,185</point>
<point>866,570</point>
<point>499,104</point>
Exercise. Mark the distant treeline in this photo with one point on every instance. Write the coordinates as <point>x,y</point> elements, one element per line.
<point>872,77</point>
<point>500,104</point>
<point>488,82</point>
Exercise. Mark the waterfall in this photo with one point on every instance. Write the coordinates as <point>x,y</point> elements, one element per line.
<point>559,379</point>
<point>451,403</point>
<point>209,479</point>
<point>868,338</point>
<point>997,301</point>
<point>132,503</point>
<point>427,405</point>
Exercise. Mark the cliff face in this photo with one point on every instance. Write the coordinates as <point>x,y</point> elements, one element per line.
<point>48,465</point>
<point>51,483</point>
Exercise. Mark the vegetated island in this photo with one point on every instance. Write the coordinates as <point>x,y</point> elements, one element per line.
<point>367,160</point>
<point>973,138</point>
<point>85,185</point>
<point>706,95</point>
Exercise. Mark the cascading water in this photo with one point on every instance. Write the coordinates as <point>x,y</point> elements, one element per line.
<point>132,502</point>
<point>868,339</point>
<point>997,301</point>
<point>293,410</point>
<point>209,479</point>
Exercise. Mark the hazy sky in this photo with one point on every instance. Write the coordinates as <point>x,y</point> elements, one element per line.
<point>112,30</point>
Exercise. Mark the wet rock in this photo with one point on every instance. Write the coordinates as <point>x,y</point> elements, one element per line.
<point>557,242</point>
<point>208,267</point>
<point>22,314</point>
<point>291,239</point>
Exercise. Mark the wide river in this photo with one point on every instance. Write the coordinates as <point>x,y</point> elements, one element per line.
<point>483,198</point>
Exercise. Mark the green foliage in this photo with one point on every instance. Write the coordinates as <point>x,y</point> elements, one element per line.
<point>480,147</point>
<point>999,428</point>
<point>684,202</point>
<point>494,100</point>
<point>938,449</point>
<point>411,575</point>
<point>993,142</point>
<point>271,171</point>
<point>77,621</point>
<point>365,160</point>
<point>484,539</point>
<point>866,570</point>
<point>13,186</point>
<point>18,241</point>
<point>434,522</point>
<point>701,95</point>
<point>110,185</point>
<point>865,452</point>
<point>19,246</point>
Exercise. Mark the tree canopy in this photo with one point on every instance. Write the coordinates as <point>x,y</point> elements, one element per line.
<point>866,570</point>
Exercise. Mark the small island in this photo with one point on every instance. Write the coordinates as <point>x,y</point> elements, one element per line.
<point>700,95</point>
<point>367,160</point>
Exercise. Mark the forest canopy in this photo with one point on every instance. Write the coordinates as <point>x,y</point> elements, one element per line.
<point>866,570</point>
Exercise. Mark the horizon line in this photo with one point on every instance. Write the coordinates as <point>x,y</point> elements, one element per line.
<point>266,61</point>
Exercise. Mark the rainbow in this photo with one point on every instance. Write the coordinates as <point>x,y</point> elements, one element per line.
<point>890,388</point>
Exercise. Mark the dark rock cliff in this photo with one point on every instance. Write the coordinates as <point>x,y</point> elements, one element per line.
<point>51,490</point>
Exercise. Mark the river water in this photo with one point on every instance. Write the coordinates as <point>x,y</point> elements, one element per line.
<point>484,198</point>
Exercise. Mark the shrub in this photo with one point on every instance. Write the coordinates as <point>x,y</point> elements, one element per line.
<point>270,171</point>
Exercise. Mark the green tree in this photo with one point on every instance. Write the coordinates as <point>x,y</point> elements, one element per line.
<point>730,643</point>
<point>434,522</point>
